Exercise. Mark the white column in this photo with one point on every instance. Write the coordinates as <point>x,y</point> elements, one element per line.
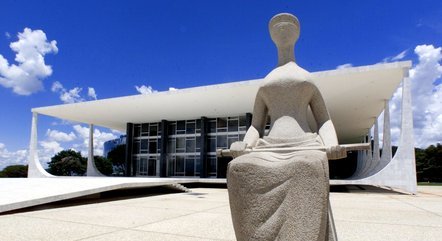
<point>376,151</point>
<point>35,169</point>
<point>91,168</point>
<point>386,138</point>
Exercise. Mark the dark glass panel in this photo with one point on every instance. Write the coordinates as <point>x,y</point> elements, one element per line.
<point>212,167</point>
<point>151,169</point>
<point>221,141</point>
<point>171,129</point>
<point>242,121</point>
<point>190,128</point>
<point>145,130</point>
<point>143,146</point>
<point>179,164</point>
<point>198,143</point>
<point>180,142</point>
<point>137,130</point>
<point>212,144</point>
<point>212,126</point>
<point>233,125</point>
<point>153,146</point>
<point>221,123</point>
<point>153,130</point>
<point>190,166</point>
<point>171,146</point>
<point>181,125</point>
<point>190,145</point>
<point>198,124</point>
<point>136,147</point>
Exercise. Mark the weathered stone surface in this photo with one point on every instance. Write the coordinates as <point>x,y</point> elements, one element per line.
<point>283,196</point>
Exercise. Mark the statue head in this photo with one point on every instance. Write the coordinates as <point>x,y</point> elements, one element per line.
<point>284,30</point>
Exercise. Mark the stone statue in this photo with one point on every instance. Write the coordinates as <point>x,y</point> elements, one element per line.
<point>284,195</point>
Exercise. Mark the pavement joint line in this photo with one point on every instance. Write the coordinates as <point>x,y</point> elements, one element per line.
<point>190,236</point>
<point>98,235</point>
<point>67,221</point>
<point>167,219</point>
<point>420,208</point>
<point>385,223</point>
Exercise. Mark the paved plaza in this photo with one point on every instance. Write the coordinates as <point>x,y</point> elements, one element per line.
<point>204,214</point>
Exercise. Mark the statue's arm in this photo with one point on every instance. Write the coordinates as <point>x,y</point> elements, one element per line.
<point>259,119</point>
<point>255,131</point>
<point>326,129</point>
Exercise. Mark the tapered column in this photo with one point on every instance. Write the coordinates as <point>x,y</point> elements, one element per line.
<point>91,168</point>
<point>386,137</point>
<point>35,169</point>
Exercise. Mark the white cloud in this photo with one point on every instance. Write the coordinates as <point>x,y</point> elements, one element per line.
<point>400,56</point>
<point>26,77</point>
<point>73,95</point>
<point>8,158</point>
<point>144,90</point>
<point>397,57</point>
<point>99,138</point>
<point>7,35</point>
<point>344,66</point>
<point>426,98</point>
<point>47,150</point>
<point>60,136</point>
<point>91,93</point>
<point>172,89</point>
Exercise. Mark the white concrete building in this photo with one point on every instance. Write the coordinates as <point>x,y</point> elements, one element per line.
<point>176,133</point>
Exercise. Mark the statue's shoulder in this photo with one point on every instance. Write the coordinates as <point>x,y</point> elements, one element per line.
<point>289,72</point>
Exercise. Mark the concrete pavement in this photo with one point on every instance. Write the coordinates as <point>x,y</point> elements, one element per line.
<point>204,214</point>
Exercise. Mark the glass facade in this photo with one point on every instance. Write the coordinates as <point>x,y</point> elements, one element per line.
<point>185,150</point>
<point>146,149</point>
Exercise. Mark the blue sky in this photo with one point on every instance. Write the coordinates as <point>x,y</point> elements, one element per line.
<point>114,46</point>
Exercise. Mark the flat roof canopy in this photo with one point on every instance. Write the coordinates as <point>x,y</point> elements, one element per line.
<point>354,97</point>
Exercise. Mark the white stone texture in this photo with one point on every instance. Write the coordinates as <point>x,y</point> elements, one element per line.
<point>91,170</point>
<point>35,169</point>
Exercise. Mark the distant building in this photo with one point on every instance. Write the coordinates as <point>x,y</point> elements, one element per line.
<point>112,144</point>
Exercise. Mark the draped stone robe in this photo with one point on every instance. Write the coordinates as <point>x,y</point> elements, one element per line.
<point>282,196</point>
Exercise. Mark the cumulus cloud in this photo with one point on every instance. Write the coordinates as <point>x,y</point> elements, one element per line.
<point>99,138</point>
<point>8,158</point>
<point>91,93</point>
<point>54,135</point>
<point>26,77</point>
<point>344,66</point>
<point>73,95</point>
<point>145,90</point>
<point>426,99</point>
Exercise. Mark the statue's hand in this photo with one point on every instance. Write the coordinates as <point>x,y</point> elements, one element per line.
<point>336,152</point>
<point>237,148</point>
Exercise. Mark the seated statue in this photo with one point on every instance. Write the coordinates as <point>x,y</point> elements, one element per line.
<point>284,195</point>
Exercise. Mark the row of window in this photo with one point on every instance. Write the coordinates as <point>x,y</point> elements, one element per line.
<point>184,145</point>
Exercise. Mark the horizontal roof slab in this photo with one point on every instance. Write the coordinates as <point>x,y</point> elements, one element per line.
<point>354,97</point>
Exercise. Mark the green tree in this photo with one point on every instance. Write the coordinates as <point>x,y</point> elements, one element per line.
<point>67,163</point>
<point>429,164</point>
<point>118,158</point>
<point>15,171</point>
<point>103,165</point>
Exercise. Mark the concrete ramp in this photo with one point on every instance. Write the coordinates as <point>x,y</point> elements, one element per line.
<point>17,193</point>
